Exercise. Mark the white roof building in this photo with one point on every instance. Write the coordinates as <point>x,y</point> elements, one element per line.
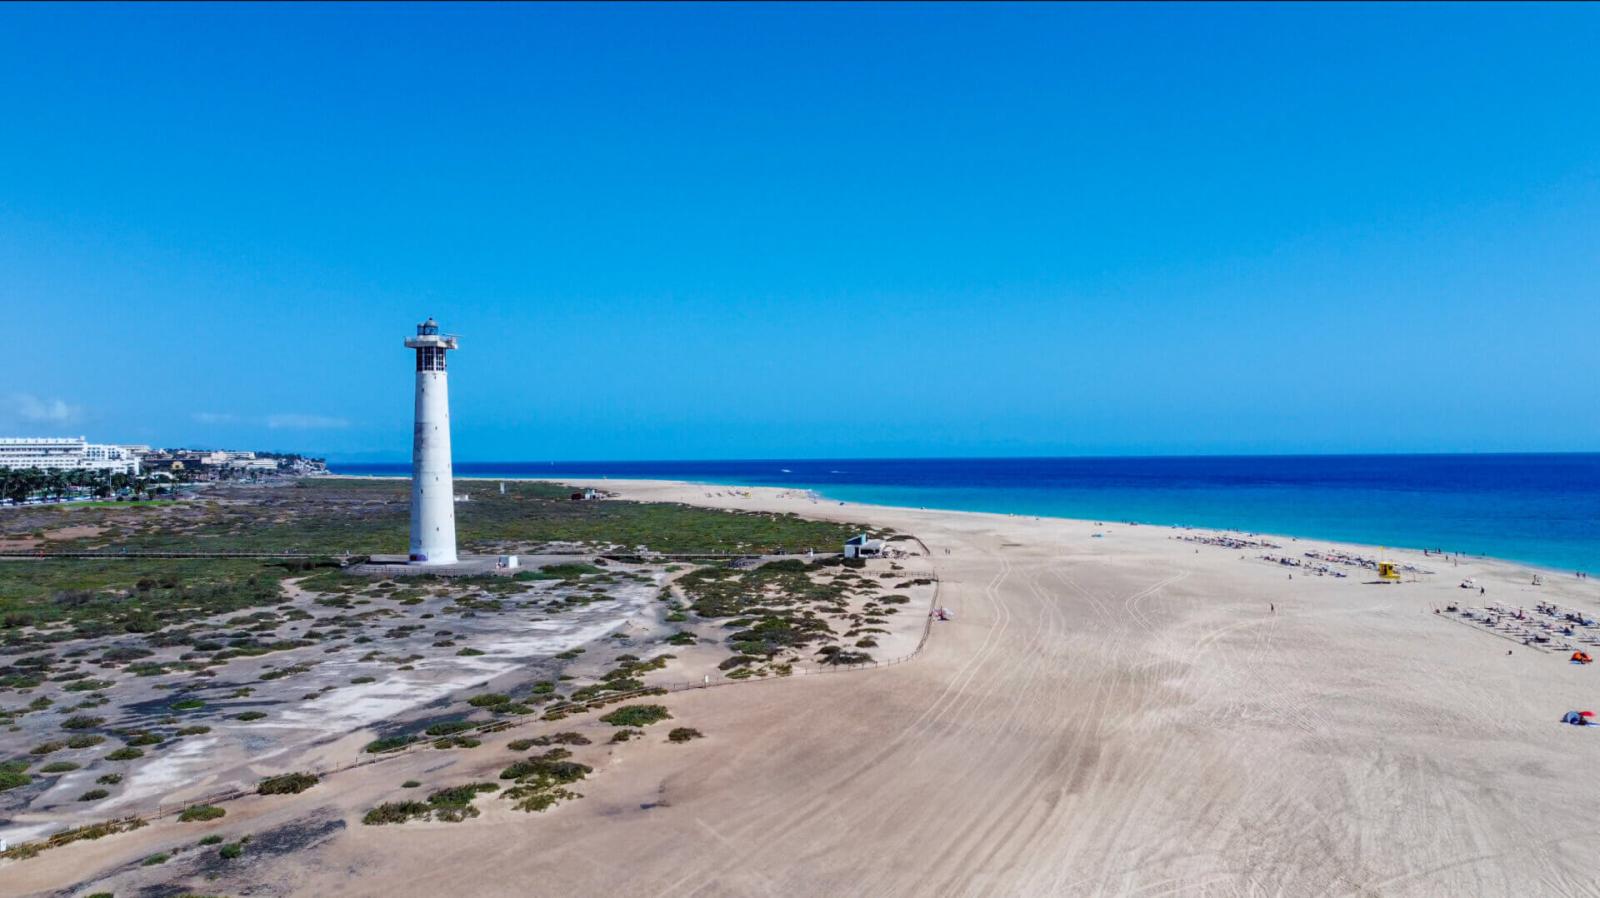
<point>863,546</point>
<point>66,454</point>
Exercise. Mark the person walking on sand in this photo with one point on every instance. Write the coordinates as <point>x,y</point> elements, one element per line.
<point>1272,607</point>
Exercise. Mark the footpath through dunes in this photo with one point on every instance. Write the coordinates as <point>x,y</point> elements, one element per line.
<point>1125,715</point>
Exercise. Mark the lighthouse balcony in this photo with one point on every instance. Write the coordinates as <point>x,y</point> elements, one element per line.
<point>431,341</point>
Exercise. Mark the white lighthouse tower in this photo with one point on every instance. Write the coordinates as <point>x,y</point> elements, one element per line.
<point>433,508</point>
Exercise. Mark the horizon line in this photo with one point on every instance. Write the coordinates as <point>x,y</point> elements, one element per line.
<point>882,458</point>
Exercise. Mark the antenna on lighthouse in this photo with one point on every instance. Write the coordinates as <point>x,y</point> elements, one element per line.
<point>433,511</point>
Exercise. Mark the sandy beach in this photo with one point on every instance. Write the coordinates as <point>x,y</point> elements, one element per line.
<point>1127,714</point>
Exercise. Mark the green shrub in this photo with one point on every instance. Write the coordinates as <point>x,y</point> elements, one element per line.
<point>211,840</point>
<point>287,784</point>
<point>250,715</point>
<point>85,740</point>
<point>636,715</point>
<point>45,748</point>
<point>82,722</point>
<point>489,700</point>
<point>58,767</point>
<point>155,859</point>
<point>110,779</point>
<point>410,784</point>
<point>449,727</point>
<point>684,734</point>
<point>93,795</point>
<point>546,771</point>
<point>624,735</point>
<point>188,704</point>
<point>125,754</point>
<point>388,743</point>
<point>396,812</point>
<point>357,681</point>
<point>13,775</point>
<point>201,813</point>
<point>456,796</point>
<point>567,738</point>
<point>231,851</point>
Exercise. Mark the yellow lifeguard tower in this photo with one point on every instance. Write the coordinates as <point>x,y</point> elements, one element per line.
<point>1388,571</point>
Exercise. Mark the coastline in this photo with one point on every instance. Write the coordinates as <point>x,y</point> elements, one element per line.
<point>1541,509</point>
<point>652,489</point>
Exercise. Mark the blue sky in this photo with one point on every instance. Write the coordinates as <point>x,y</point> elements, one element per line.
<point>785,231</point>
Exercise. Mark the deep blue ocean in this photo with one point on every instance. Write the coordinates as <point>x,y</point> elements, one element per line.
<point>1539,509</point>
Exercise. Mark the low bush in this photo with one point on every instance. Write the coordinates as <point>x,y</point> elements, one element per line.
<point>250,715</point>
<point>636,715</point>
<point>82,722</point>
<point>287,784</point>
<point>449,727</point>
<point>566,738</point>
<point>684,734</point>
<point>93,795</point>
<point>155,859</point>
<point>388,743</point>
<point>85,740</point>
<point>13,774</point>
<point>546,771</point>
<point>58,767</point>
<point>396,812</point>
<point>201,813</point>
<point>125,754</point>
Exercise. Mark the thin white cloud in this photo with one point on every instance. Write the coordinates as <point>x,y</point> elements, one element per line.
<point>33,410</point>
<point>305,422</point>
<point>214,418</point>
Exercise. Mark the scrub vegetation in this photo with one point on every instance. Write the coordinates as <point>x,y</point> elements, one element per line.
<point>332,515</point>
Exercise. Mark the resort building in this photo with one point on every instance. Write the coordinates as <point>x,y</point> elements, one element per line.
<point>66,454</point>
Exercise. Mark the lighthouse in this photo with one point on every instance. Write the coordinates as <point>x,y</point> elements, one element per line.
<point>433,509</point>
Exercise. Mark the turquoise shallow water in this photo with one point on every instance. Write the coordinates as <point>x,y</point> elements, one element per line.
<point>1539,509</point>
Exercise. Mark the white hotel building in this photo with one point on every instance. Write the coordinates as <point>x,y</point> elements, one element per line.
<point>66,453</point>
